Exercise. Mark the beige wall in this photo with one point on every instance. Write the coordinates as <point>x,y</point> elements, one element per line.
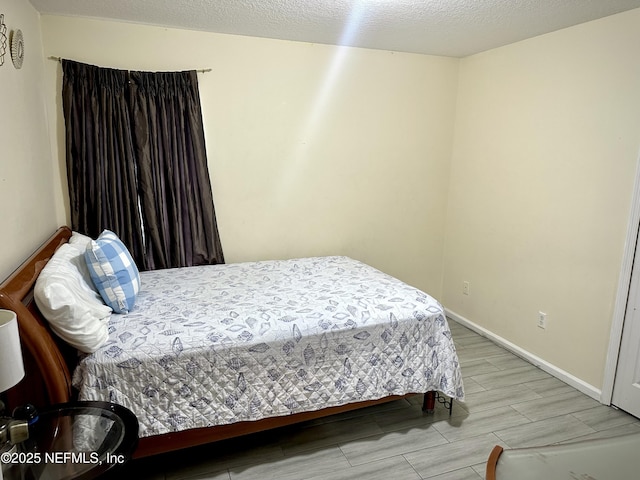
<point>313,149</point>
<point>546,144</point>
<point>320,150</point>
<point>26,190</point>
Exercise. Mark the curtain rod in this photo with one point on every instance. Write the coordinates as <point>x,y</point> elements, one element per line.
<point>202,70</point>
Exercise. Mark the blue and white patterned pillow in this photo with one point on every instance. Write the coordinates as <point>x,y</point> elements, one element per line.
<point>113,271</point>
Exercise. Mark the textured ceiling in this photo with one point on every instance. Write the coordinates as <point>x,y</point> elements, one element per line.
<point>440,27</point>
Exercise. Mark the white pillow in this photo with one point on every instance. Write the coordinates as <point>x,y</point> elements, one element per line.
<point>79,240</point>
<point>64,295</point>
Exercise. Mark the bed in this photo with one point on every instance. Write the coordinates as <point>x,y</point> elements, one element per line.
<point>214,352</point>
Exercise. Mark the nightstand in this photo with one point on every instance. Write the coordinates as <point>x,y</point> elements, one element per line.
<point>79,440</point>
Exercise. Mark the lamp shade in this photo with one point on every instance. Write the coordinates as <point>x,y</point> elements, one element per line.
<point>11,366</point>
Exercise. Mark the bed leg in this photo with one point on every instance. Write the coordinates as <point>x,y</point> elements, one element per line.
<point>429,403</point>
<point>430,399</point>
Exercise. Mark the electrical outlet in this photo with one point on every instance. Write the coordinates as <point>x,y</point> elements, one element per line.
<point>465,287</point>
<point>542,320</point>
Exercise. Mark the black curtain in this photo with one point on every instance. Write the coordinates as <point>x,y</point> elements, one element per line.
<point>137,164</point>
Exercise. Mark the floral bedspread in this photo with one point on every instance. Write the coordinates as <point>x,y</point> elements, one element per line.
<point>220,344</point>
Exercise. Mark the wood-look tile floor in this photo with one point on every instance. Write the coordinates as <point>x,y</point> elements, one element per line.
<point>509,402</point>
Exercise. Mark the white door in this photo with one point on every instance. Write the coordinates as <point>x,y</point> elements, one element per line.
<point>626,388</point>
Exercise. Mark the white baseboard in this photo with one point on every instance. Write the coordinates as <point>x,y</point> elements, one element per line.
<point>551,369</point>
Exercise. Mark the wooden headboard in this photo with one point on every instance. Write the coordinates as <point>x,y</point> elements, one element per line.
<point>48,360</point>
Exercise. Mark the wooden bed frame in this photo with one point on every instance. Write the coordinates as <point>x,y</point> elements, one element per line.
<point>49,364</point>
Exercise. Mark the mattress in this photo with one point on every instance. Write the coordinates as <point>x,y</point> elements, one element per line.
<point>220,344</point>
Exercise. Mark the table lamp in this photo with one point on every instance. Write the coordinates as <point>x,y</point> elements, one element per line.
<point>11,372</point>
<point>11,365</point>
